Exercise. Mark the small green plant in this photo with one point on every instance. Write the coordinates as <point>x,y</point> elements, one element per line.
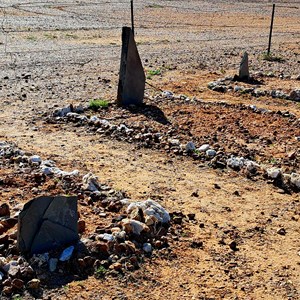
<point>98,103</point>
<point>151,73</point>
<point>66,288</point>
<point>196,151</point>
<point>100,272</point>
<point>154,5</point>
<point>154,72</point>
<point>50,36</point>
<point>273,161</point>
<point>271,57</point>
<point>31,38</point>
<point>71,36</point>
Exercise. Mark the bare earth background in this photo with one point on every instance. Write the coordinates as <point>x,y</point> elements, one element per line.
<point>53,53</point>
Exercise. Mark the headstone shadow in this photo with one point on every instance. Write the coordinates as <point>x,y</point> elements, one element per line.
<point>150,111</point>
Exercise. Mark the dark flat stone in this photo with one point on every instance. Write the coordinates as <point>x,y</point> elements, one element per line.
<point>46,223</point>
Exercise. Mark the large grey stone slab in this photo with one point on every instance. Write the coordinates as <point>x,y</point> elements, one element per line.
<point>46,223</point>
<point>244,68</point>
<point>132,77</point>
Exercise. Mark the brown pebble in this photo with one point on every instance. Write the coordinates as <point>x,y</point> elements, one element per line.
<point>233,246</point>
<point>7,290</point>
<point>116,266</point>
<point>4,210</point>
<point>17,283</point>
<point>158,244</point>
<point>81,226</point>
<point>34,284</point>
<point>281,231</point>
<point>6,282</point>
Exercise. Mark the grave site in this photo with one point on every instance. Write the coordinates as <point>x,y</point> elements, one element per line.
<point>150,149</point>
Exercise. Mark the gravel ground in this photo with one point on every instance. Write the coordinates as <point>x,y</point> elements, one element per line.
<point>244,240</point>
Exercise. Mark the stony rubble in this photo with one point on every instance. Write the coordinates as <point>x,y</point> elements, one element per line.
<point>226,85</point>
<point>139,230</point>
<point>171,142</point>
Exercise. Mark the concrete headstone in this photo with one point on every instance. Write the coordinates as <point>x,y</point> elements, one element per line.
<point>244,68</point>
<point>46,223</point>
<point>132,77</point>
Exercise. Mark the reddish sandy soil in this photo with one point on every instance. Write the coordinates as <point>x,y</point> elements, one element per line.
<point>191,47</point>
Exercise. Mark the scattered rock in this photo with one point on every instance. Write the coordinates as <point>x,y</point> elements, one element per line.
<point>17,283</point>
<point>197,244</point>
<point>204,148</point>
<point>7,290</point>
<point>295,180</point>
<point>151,209</point>
<point>35,159</point>
<point>90,182</point>
<point>235,163</point>
<point>133,226</point>
<point>34,284</point>
<point>281,231</point>
<point>52,264</point>
<point>274,173</point>
<point>66,254</point>
<point>61,112</point>
<point>211,153</point>
<point>81,226</point>
<point>12,269</point>
<point>233,246</point>
<point>147,247</point>
<point>167,94</point>
<point>4,210</point>
<point>190,147</point>
<point>295,95</point>
<point>191,216</point>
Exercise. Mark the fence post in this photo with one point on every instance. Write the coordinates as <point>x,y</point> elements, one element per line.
<point>132,18</point>
<point>271,29</point>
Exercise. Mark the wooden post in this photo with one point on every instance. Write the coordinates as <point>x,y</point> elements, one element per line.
<point>132,18</point>
<point>271,29</point>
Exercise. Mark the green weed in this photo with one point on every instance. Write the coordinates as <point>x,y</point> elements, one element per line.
<point>31,38</point>
<point>154,72</point>
<point>50,36</point>
<point>98,103</point>
<point>72,36</point>
<point>100,272</point>
<point>154,5</point>
<point>271,57</point>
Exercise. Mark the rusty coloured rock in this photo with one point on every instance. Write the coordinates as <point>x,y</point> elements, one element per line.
<point>4,210</point>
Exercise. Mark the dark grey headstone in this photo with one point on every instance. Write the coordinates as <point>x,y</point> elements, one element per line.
<point>244,68</point>
<point>46,223</point>
<point>132,77</point>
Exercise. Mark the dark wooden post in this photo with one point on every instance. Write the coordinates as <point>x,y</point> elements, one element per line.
<point>271,29</point>
<point>132,18</point>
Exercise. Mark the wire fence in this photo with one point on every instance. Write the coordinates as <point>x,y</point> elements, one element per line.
<point>44,33</point>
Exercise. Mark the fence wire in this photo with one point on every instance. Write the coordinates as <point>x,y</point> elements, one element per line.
<point>116,15</point>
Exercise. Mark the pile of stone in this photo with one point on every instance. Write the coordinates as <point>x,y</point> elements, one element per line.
<point>170,141</point>
<point>228,84</point>
<point>290,182</point>
<point>113,250</point>
<point>29,265</point>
